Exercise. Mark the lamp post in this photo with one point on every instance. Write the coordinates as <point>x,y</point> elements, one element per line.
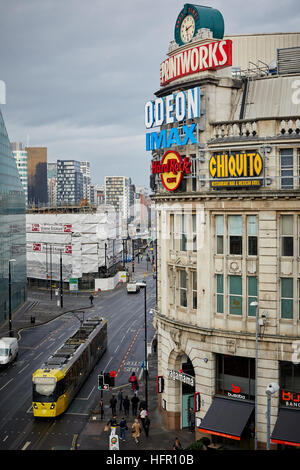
<point>61,282</point>
<point>255,304</point>
<point>9,297</point>
<point>144,286</point>
<point>270,390</point>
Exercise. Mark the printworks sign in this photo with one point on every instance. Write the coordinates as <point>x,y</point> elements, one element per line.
<point>236,170</point>
<point>171,169</point>
<point>185,378</point>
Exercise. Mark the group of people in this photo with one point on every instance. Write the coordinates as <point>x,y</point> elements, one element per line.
<point>141,420</point>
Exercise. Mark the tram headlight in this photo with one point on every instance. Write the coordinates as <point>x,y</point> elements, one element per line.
<point>35,406</point>
<point>52,406</point>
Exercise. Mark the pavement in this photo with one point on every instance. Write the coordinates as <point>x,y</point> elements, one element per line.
<point>40,309</point>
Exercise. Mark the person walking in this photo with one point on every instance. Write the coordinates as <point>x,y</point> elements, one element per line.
<point>177,445</point>
<point>120,399</point>
<point>192,419</point>
<point>91,297</point>
<point>112,405</point>
<point>143,414</point>
<point>133,381</point>
<point>147,425</point>
<point>134,403</point>
<point>101,406</point>
<point>126,405</point>
<point>123,429</point>
<point>136,430</point>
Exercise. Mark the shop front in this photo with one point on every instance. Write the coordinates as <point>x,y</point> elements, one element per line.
<point>230,419</point>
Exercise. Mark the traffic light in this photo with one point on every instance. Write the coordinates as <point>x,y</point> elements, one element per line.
<point>100,382</point>
<point>107,379</point>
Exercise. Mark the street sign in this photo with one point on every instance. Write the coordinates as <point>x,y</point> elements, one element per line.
<point>197,401</point>
<point>73,284</point>
<point>160,384</point>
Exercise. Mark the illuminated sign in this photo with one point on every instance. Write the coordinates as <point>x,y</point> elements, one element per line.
<point>236,170</point>
<point>211,56</point>
<point>171,169</point>
<point>235,393</point>
<point>169,110</point>
<point>290,399</point>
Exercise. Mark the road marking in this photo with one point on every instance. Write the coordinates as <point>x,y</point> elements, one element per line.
<point>6,437</point>
<point>23,369</point>
<point>117,348</point>
<point>108,363</point>
<point>26,445</point>
<point>6,384</point>
<point>88,397</point>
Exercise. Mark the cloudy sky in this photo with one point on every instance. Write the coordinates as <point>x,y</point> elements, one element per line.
<point>78,73</point>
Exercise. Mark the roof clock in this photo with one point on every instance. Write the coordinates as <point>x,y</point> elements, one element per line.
<point>194,17</point>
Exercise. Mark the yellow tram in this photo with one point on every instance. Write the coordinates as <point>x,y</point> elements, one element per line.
<point>59,379</point>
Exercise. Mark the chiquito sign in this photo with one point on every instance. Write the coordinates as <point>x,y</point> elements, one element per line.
<point>169,110</point>
<point>171,169</point>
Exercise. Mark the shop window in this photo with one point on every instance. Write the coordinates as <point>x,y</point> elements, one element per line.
<point>252,234</point>
<point>287,232</point>
<point>172,231</point>
<point>220,234</point>
<point>183,238</point>
<point>220,293</point>
<point>286,162</point>
<point>289,379</point>
<point>252,295</point>
<point>194,288</point>
<point>235,376</point>
<point>287,297</point>
<point>183,288</point>
<point>235,234</point>
<point>235,295</point>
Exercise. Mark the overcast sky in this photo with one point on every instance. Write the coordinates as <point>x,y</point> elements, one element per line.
<point>78,73</point>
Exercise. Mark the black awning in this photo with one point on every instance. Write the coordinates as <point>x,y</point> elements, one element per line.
<point>287,428</point>
<point>226,418</point>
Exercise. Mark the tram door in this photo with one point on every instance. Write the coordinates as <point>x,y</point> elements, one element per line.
<point>187,403</point>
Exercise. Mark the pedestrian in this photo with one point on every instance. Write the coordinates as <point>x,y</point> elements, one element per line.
<point>192,419</point>
<point>126,405</point>
<point>112,422</point>
<point>134,403</point>
<point>112,405</point>
<point>143,414</point>
<point>146,425</point>
<point>123,429</point>
<point>101,406</point>
<point>132,380</point>
<point>154,343</point>
<point>135,388</point>
<point>91,297</point>
<point>136,430</point>
<point>177,445</point>
<point>120,399</point>
<point>143,404</point>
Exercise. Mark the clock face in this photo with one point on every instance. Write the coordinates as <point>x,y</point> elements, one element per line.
<point>187,29</point>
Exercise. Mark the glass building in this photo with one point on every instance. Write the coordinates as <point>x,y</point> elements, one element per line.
<point>12,230</point>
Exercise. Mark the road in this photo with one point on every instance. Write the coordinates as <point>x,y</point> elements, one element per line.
<point>125,352</point>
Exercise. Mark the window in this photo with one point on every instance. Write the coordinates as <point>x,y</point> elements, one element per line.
<point>235,234</point>
<point>194,288</point>
<point>220,234</point>
<point>172,231</point>
<point>220,293</point>
<point>235,295</point>
<point>287,296</point>
<point>287,239</point>
<point>194,229</point>
<point>252,234</point>
<point>183,233</point>
<point>286,161</point>
<point>252,295</point>
<point>183,288</point>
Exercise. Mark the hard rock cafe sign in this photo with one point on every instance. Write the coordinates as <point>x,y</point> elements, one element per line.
<point>171,169</point>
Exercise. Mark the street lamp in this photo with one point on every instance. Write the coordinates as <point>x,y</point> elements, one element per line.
<point>143,285</point>
<point>270,390</point>
<point>9,297</point>
<point>255,304</point>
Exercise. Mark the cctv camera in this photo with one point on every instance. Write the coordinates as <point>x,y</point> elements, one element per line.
<point>272,388</point>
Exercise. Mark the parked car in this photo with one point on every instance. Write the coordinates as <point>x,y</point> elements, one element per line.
<point>132,287</point>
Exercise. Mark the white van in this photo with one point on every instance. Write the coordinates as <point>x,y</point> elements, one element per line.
<point>8,350</point>
<point>132,287</point>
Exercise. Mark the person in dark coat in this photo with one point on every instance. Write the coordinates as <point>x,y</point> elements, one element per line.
<point>113,404</point>
<point>146,425</point>
<point>120,398</point>
<point>101,406</point>
<point>126,405</point>
<point>134,403</point>
<point>91,297</point>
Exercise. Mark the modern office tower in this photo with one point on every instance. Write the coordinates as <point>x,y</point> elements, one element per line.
<point>37,175</point>
<point>20,155</point>
<point>12,231</point>
<point>86,172</point>
<point>69,182</point>
<point>52,183</point>
<point>117,194</point>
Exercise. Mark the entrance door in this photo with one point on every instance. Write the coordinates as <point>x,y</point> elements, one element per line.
<point>187,403</point>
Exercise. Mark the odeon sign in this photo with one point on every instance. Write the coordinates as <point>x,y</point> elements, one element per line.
<point>171,169</point>
<point>168,110</point>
